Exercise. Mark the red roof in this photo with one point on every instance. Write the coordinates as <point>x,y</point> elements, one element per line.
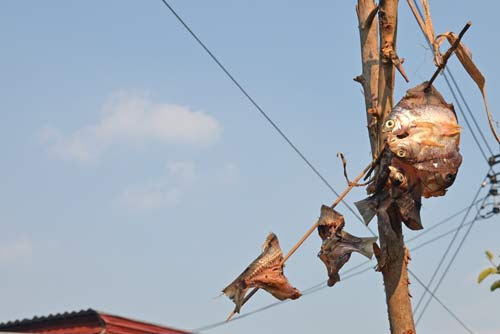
<point>85,322</point>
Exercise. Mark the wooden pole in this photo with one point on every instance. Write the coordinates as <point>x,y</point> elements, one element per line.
<point>377,79</point>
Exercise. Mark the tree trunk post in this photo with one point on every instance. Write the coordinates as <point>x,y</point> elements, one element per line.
<point>377,79</point>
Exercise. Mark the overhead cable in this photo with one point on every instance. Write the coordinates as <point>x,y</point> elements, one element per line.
<point>261,111</point>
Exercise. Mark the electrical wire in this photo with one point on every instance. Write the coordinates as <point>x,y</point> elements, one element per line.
<point>447,73</point>
<point>457,102</point>
<point>322,285</point>
<point>452,77</point>
<point>436,225</point>
<point>460,245</point>
<point>306,292</point>
<point>447,251</point>
<point>262,112</point>
<point>294,147</point>
<point>440,302</point>
<point>425,243</point>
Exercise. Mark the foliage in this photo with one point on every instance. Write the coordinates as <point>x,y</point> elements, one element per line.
<point>495,269</point>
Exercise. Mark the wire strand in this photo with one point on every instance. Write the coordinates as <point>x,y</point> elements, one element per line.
<point>310,291</point>
<point>425,243</point>
<point>440,302</point>
<point>457,102</point>
<point>454,256</point>
<point>263,113</point>
<point>446,251</point>
<point>446,220</point>
<point>469,111</point>
<point>322,285</point>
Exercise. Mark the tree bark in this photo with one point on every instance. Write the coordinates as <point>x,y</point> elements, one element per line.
<point>377,80</point>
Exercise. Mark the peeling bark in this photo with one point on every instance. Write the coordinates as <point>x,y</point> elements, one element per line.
<point>378,79</point>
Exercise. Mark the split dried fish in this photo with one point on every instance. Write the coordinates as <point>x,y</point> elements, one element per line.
<point>265,272</point>
<point>338,245</point>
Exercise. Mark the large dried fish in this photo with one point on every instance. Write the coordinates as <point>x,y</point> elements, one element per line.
<point>265,272</point>
<point>338,245</point>
<point>422,131</point>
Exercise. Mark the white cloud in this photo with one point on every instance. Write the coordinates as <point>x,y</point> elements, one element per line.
<point>15,251</point>
<point>132,119</point>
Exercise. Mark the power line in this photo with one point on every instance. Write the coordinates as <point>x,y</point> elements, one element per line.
<point>275,126</point>
<point>457,102</point>
<point>449,266</point>
<point>446,251</point>
<point>469,110</point>
<point>446,220</point>
<point>425,243</point>
<point>306,292</point>
<point>440,302</point>
<point>322,285</point>
<point>262,112</point>
<point>465,117</point>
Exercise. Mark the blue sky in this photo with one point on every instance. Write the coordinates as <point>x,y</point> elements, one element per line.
<point>136,179</point>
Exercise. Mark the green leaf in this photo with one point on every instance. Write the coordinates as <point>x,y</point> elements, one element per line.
<point>495,285</point>
<point>490,255</point>
<point>485,273</point>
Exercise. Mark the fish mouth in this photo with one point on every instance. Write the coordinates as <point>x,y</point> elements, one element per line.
<point>402,135</point>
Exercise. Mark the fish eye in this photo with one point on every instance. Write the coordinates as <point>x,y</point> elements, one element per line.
<point>400,177</point>
<point>401,153</point>
<point>390,123</point>
<point>450,177</point>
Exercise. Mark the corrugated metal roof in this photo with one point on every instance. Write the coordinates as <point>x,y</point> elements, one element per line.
<point>56,316</point>
<point>85,321</point>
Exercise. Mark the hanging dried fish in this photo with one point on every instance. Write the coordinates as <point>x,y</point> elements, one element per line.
<point>265,272</point>
<point>337,244</point>
<point>399,184</point>
<point>421,156</point>
<point>422,131</point>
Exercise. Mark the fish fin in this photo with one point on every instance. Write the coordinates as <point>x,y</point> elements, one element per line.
<point>334,278</point>
<point>413,221</point>
<point>430,142</point>
<point>366,247</point>
<point>451,130</point>
<point>236,292</point>
<point>271,240</point>
<point>367,208</point>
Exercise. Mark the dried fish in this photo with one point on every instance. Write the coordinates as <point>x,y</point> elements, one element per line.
<point>338,245</point>
<point>422,131</point>
<point>265,272</point>
<point>399,185</point>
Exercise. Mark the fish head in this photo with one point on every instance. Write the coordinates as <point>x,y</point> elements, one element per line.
<point>438,174</point>
<point>330,222</point>
<point>398,122</point>
<point>436,183</point>
<point>403,148</point>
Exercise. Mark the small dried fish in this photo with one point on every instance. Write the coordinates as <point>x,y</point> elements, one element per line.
<point>400,185</point>
<point>338,245</point>
<point>265,272</point>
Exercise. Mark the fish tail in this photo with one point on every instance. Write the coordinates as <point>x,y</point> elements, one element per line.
<point>367,208</point>
<point>366,247</point>
<point>413,222</point>
<point>236,293</point>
